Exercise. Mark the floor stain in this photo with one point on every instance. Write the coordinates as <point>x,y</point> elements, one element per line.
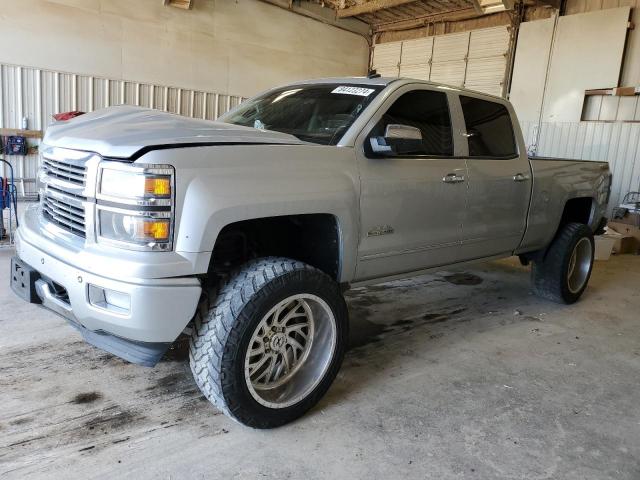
<point>463,279</point>
<point>365,332</point>
<point>88,397</point>
<point>106,422</point>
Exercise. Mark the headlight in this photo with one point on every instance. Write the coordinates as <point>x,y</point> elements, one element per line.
<point>143,228</point>
<point>133,185</point>
<point>135,206</point>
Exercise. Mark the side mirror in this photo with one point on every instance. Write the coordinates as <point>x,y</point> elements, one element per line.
<point>398,139</point>
<point>402,132</point>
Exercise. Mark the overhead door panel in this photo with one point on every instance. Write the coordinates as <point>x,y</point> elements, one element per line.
<point>449,73</point>
<point>421,72</point>
<point>476,60</point>
<point>487,60</point>
<point>386,58</point>
<point>415,61</point>
<point>486,74</point>
<point>449,58</point>
<point>450,47</point>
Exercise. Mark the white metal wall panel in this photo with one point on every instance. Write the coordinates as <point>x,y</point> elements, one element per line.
<point>38,94</point>
<point>617,143</point>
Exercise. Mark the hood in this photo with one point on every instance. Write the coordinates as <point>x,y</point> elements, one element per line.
<point>122,132</point>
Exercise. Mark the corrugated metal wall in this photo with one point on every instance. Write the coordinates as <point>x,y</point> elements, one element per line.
<point>38,94</point>
<point>616,143</point>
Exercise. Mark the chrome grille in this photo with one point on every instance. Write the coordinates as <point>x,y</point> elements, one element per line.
<point>69,172</point>
<point>64,213</point>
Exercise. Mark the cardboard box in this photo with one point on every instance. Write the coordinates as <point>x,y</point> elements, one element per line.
<point>604,247</point>
<point>629,240</point>
<point>630,218</point>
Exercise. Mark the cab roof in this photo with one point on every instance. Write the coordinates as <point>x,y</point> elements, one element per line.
<point>385,81</point>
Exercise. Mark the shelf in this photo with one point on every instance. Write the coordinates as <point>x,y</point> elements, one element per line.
<point>9,132</point>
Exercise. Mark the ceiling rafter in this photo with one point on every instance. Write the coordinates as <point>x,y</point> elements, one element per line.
<point>370,7</point>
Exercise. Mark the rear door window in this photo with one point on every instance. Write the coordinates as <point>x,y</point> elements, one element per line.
<point>489,128</point>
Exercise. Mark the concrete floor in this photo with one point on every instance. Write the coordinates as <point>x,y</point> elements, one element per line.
<point>456,375</point>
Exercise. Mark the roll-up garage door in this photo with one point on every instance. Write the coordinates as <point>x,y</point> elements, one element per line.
<point>450,58</point>
<point>476,60</point>
<point>487,60</point>
<point>415,59</point>
<point>386,58</point>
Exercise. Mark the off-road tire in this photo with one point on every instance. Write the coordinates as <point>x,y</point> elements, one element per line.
<point>226,319</point>
<point>550,274</point>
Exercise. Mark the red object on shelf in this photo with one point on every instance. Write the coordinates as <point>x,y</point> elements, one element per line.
<point>61,117</point>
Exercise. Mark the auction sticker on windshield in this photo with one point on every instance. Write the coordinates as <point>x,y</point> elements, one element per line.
<point>346,90</point>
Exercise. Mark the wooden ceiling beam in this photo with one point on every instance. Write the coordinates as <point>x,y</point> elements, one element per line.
<point>550,3</point>
<point>370,7</point>
<point>184,4</point>
<point>452,16</point>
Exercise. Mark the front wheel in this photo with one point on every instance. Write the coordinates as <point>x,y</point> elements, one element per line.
<point>271,344</point>
<point>562,275</point>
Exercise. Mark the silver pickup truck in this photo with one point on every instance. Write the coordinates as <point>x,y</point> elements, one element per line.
<point>245,232</point>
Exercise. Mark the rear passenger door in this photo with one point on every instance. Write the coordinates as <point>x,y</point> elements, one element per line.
<point>411,204</point>
<point>499,178</point>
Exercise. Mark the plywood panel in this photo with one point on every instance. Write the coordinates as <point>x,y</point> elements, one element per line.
<point>587,53</point>
<point>530,67</point>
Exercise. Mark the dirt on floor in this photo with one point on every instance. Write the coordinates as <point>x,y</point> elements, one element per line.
<point>460,374</point>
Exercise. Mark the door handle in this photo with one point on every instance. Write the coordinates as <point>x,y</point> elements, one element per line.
<point>520,177</point>
<point>453,178</point>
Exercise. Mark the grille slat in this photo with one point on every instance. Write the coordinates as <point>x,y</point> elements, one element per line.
<point>62,199</point>
<point>65,215</point>
<point>76,174</point>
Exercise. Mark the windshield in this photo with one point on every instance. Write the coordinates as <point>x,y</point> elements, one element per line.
<point>314,113</point>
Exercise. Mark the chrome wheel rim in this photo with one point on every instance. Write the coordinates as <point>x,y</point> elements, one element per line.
<point>290,351</point>
<point>579,265</point>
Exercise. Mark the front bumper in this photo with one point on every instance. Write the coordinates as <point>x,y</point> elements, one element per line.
<point>158,310</point>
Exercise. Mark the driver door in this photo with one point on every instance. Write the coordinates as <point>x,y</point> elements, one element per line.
<point>412,200</point>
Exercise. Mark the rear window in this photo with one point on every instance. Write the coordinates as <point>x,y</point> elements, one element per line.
<point>489,128</point>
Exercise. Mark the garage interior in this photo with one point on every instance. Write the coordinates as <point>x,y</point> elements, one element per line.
<point>457,374</point>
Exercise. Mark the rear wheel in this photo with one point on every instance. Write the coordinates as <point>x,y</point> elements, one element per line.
<point>272,342</point>
<point>564,272</point>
